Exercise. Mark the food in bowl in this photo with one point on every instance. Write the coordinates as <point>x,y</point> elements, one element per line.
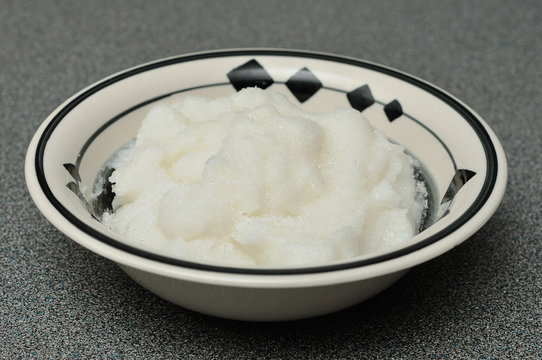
<point>253,180</point>
<point>462,159</point>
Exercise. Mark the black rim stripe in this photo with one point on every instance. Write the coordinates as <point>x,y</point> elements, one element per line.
<point>489,181</point>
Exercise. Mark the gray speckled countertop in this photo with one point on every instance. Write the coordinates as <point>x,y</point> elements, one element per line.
<point>482,300</point>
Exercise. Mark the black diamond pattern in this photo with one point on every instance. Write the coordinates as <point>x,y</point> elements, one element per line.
<point>460,178</point>
<point>393,110</point>
<point>303,84</point>
<point>104,201</point>
<point>361,98</point>
<point>250,74</point>
<point>72,169</point>
<point>75,188</point>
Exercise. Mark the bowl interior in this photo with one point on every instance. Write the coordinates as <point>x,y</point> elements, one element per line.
<point>450,141</point>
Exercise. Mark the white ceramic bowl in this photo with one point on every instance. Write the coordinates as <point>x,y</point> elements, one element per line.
<point>465,165</point>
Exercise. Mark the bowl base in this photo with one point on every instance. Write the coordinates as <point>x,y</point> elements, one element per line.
<point>261,304</point>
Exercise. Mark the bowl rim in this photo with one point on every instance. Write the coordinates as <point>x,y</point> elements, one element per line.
<point>475,216</point>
